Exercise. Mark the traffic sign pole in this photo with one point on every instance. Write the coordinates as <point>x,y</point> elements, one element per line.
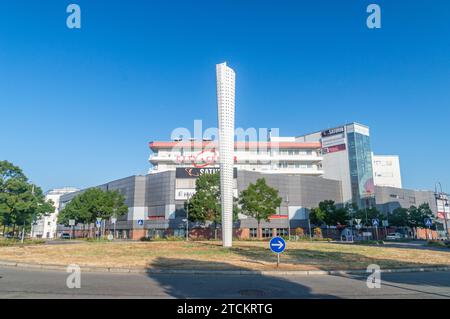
<point>277,245</point>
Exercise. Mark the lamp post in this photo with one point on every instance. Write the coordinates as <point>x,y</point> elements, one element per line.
<point>289,219</point>
<point>351,221</point>
<point>187,217</point>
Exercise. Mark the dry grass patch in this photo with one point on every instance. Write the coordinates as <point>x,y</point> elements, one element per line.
<point>211,255</point>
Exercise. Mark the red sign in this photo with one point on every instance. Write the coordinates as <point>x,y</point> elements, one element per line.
<point>202,159</point>
<point>279,217</point>
<point>333,149</point>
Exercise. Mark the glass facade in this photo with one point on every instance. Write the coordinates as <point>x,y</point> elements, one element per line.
<point>361,173</point>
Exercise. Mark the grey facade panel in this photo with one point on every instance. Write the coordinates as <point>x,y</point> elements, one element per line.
<point>296,190</point>
<point>156,193</point>
<point>389,198</point>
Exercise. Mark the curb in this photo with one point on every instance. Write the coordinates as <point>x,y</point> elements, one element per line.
<point>220,272</point>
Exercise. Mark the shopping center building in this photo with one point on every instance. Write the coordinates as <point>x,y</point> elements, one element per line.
<point>334,164</point>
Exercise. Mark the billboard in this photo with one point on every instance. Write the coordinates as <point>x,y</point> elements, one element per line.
<point>333,131</point>
<point>195,172</point>
<point>333,149</point>
<point>186,193</point>
<point>333,140</point>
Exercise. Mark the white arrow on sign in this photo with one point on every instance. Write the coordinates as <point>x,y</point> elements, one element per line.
<point>279,245</point>
<point>358,220</point>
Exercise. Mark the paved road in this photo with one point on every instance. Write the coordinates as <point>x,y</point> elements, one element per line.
<point>20,283</point>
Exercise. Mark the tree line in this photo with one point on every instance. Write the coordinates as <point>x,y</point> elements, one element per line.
<point>329,214</point>
<point>261,201</point>
<point>21,202</point>
<point>91,204</point>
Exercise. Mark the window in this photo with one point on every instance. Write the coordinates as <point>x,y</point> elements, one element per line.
<point>267,232</point>
<point>282,165</point>
<point>253,232</point>
<point>282,232</point>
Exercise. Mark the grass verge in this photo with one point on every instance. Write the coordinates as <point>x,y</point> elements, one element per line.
<point>211,255</point>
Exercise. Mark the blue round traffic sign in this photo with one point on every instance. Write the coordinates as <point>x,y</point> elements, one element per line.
<point>428,222</point>
<point>277,245</point>
<point>140,222</point>
<point>375,222</point>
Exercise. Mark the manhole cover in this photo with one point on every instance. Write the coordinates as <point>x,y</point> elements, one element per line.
<point>252,293</point>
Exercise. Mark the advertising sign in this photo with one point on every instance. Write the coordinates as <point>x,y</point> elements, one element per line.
<point>186,193</point>
<point>443,208</point>
<point>195,172</point>
<point>333,131</point>
<point>333,140</point>
<point>333,149</point>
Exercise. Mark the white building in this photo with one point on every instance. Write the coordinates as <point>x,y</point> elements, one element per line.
<point>46,226</point>
<point>265,157</point>
<point>347,157</point>
<point>386,170</point>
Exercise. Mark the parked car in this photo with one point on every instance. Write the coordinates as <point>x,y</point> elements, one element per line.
<point>65,236</point>
<point>393,236</point>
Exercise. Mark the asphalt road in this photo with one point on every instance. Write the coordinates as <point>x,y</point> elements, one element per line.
<point>20,283</point>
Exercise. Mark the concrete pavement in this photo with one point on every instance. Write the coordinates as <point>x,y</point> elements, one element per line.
<point>21,283</point>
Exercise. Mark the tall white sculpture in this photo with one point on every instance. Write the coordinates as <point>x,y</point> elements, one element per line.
<point>225,103</point>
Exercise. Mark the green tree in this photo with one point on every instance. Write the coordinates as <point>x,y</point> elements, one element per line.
<point>21,203</point>
<point>399,217</point>
<point>327,213</point>
<point>368,214</point>
<point>317,216</point>
<point>205,204</point>
<point>259,201</point>
<point>92,204</point>
<point>417,215</point>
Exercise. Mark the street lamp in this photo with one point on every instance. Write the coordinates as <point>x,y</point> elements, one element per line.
<point>289,220</point>
<point>351,221</point>
<point>187,217</point>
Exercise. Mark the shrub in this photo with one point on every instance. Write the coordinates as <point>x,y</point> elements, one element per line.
<point>318,232</point>
<point>438,243</point>
<point>299,232</point>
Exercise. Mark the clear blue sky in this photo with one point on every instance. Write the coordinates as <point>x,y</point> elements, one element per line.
<point>78,107</point>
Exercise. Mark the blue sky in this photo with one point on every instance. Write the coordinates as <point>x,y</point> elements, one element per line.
<point>78,107</point>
